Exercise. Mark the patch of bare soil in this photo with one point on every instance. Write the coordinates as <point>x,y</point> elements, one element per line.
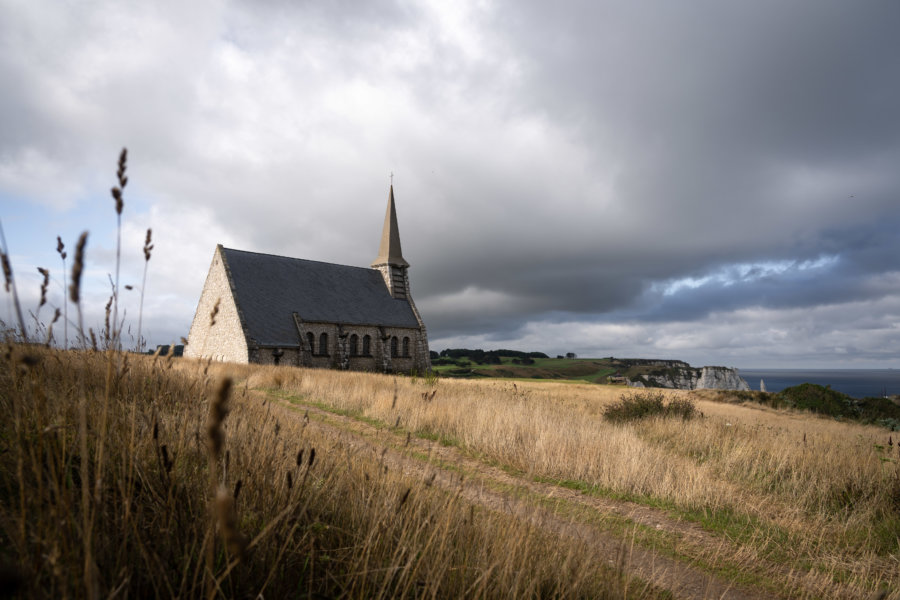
<point>539,503</point>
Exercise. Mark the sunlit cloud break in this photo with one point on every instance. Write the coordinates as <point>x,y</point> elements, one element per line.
<point>748,273</point>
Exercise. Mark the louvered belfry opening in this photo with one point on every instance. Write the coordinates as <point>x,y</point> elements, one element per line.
<point>398,283</point>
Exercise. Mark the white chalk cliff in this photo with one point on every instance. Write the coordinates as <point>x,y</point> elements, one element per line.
<point>704,378</point>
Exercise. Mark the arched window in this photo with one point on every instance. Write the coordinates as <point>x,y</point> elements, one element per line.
<point>323,344</point>
<point>367,342</point>
<point>311,340</point>
<point>354,345</point>
<point>394,347</point>
<point>406,347</point>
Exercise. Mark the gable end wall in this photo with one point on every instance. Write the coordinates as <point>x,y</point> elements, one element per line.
<point>225,340</point>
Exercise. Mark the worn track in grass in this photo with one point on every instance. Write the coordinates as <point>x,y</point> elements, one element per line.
<point>610,525</point>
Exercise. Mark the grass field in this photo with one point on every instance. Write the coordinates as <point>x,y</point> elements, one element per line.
<point>560,369</point>
<point>137,476</point>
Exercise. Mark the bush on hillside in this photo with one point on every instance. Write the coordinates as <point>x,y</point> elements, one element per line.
<point>818,399</point>
<point>651,403</point>
<point>878,409</point>
<point>742,396</point>
<point>824,401</point>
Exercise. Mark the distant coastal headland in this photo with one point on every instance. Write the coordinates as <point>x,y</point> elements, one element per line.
<point>679,375</point>
<point>633,372</point>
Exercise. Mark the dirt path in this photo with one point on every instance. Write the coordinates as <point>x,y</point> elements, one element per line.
<point>493,488</point>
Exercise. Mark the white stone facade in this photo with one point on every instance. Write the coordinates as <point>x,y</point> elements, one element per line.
<point>221,339</point>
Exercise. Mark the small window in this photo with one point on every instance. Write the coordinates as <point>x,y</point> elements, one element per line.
<point>394,347</point>
<point>323,344</point>
<point>406,347</point>
<point>354,345</point>
<point>367,342</point>
<point>311,340</point>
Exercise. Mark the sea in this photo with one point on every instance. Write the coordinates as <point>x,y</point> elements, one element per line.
<point>856,383</point>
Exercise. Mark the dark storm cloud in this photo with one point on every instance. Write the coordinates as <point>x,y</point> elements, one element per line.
<point>740,134</point>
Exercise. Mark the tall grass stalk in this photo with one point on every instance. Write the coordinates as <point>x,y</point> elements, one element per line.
<point>148,247</point>
<point>10,280</point>
<point>61,250</point>
<point>119,204</point>
<point>75,285</point>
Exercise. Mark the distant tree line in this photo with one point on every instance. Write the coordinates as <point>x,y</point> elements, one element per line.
<point>482,357</point>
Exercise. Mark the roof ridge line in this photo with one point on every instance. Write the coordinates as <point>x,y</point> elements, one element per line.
<point>322,262</point>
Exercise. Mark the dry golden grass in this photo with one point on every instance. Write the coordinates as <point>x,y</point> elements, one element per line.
<point>790,488</point>
<point>111,481</point>
<point>151,480</point>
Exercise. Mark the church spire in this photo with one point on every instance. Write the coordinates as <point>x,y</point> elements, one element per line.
<point>389,252</point>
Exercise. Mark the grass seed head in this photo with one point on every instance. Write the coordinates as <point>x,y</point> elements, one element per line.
<point>218,409</point>
<point>44,284</point>
<point>77,268</point>
<point>235,541</point>
<point>117,195</point>
<point>167,462</point>
<point>214,312</point>
<point>7,269</point>
<point>123,181</point>
<point>403,499</point>
<point>148,246</point>
<point>123,166</point>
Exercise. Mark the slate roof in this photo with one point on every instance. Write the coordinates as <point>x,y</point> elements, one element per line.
<point>268,289</point>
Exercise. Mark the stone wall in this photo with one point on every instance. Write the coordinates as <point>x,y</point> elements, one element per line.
<point>338,352</point>
<point>421,357</point>
<point>274,356</point>
<point>224,340</point>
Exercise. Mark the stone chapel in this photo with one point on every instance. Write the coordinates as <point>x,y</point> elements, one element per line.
<point>261,308</point>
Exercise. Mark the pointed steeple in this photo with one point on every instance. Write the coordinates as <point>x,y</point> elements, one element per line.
<point>389,252</point>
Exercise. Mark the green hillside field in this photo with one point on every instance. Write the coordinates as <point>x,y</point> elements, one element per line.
<point>591,370</point>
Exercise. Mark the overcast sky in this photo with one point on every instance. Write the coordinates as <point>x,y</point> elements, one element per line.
<point>717,182</point>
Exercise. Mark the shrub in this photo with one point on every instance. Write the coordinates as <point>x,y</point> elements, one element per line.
<point>651,403</point>
<point>681,407</point>
<point>818,399</point>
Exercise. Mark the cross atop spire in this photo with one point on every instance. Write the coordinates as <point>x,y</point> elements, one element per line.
<point>389,252</point>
